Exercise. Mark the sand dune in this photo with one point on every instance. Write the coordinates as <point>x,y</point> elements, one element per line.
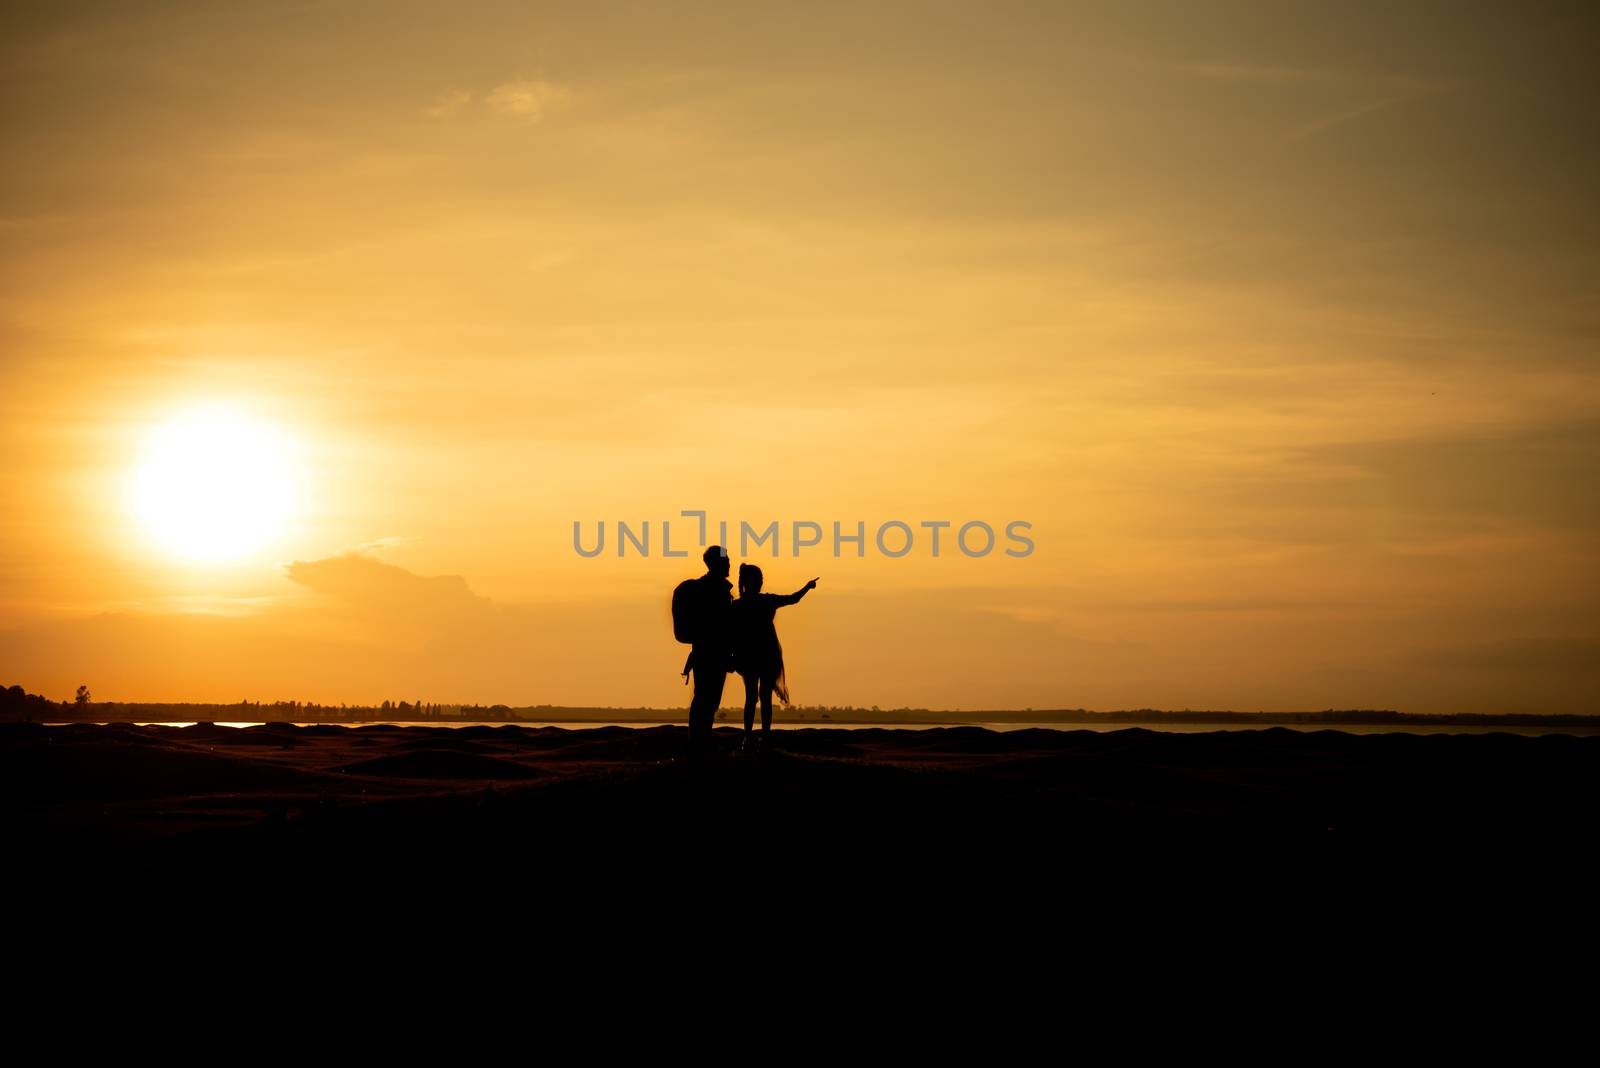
<point>948,807</point>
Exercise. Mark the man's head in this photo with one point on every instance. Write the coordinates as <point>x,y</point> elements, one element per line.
<point>716,561</point>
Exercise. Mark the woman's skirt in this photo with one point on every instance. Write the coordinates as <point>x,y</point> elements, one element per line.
<point>765,664</point>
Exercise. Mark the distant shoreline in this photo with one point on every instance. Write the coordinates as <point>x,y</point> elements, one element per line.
<point>120,712</point>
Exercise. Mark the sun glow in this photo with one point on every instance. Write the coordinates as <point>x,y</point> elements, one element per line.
<point>214,484</point>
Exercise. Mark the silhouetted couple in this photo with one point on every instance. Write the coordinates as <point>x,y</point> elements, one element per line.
<point>730,635</point>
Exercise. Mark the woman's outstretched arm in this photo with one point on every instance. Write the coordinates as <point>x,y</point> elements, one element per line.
<point>794,597</point>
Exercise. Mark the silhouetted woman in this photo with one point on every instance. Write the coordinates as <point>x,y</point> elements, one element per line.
<point>756,651</point>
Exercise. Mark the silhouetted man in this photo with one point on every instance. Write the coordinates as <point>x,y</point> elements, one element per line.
<point>711,654</point>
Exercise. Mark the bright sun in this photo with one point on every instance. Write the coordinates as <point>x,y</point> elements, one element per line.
<point>214,484</point>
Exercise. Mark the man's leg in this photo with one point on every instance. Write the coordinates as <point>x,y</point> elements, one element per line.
<point>694,697</point>
<point>715,682</point>
<point>708,683</point>
<point>697,706</point>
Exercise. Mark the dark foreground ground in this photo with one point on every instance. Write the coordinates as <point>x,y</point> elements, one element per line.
<point>965,803</point>
<point>945,858</point>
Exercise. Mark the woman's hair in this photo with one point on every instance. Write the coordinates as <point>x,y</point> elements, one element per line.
<point>749,577</point>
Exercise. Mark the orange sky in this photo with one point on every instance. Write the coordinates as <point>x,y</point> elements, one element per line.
<point>1277,322</point>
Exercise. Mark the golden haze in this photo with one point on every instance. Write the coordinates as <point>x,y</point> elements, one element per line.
<point>1279,325</point>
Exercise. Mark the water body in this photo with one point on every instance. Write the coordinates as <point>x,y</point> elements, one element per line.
<point>993,725</point>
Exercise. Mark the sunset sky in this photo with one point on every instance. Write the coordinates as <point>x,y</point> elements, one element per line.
<point>1279,323</point>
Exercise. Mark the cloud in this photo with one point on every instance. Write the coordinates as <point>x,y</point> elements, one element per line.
<point>368,583</point>
<point>1344,115</point>
<point>1381,90</point>
<point>1529,657</point>
<point>448,104</point>
<point>1254,73</point>
<point>526,99</point>
<point>379,544</point>
<point>1251,73</point>
<point>1228,605</point>
<point>1539,476</point>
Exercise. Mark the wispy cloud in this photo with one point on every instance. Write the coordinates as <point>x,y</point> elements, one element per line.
<point>526,99</point>
<point>198,604</point>
<point>1265,74</point>
<point>448,104</point>
<point>1378,90</point>
<point>378,544</point>
<point>1350,114</point>
<point>1243,72</point>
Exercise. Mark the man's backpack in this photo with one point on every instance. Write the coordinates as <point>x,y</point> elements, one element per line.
<point>686,611</point>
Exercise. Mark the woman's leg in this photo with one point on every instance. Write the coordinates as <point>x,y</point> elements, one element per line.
<point>766,705</point>
<point>749,704</point>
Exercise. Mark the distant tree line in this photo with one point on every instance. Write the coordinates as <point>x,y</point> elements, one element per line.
<point>16,703</point>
